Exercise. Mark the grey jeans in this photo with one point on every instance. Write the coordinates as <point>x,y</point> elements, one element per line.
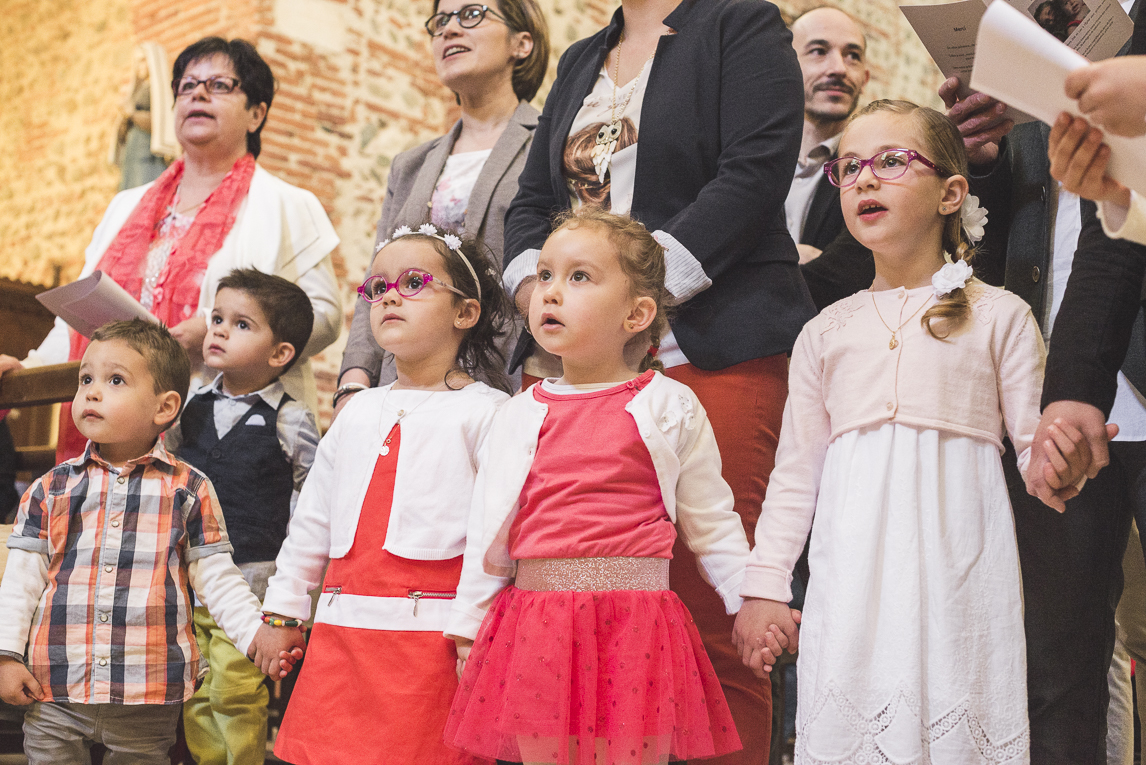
<point>61,733</point>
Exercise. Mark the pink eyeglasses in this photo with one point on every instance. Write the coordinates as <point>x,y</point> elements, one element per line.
<point>409,283</point>
<point>887,166</point>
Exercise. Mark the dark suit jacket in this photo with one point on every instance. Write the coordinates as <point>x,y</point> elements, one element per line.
<point>409,188</point>
<point>825,219</point>
<point>720,132</point>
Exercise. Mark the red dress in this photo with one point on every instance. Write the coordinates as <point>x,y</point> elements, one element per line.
<point>617,676</point>
<point>370,695</point>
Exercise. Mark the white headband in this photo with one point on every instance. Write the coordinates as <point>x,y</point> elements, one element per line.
<point>428,229</point>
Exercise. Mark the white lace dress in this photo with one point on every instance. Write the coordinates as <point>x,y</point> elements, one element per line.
<point>912,647</point>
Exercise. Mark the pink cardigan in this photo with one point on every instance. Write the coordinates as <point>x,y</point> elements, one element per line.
<point>843,377</point>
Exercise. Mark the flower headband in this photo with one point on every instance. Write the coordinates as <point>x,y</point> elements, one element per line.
<point>451,240</point>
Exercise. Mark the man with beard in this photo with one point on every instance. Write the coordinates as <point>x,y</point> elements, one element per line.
<point>832,52</point>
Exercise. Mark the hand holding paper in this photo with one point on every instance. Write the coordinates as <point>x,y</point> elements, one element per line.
<point>1079,160</point>
<point>1022,65</point>
<point>1112,94</point>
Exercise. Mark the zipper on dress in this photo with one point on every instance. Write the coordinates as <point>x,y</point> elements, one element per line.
<point>334,592</point>
<point>417,595</point>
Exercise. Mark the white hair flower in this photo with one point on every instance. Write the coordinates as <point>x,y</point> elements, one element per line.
<point>973,217</point>
<point>378,247</point>
<point>402,231</point>
<point>452,241</point>
<point>951,277</point>
<point>427,229</point>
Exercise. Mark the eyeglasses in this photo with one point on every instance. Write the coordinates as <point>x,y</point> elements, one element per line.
<point>469,16</point>
<point>217,85</point>
<point>887,166</point>
<point>409,283</point>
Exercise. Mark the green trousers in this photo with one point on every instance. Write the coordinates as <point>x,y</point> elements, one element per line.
<point>226,720</point>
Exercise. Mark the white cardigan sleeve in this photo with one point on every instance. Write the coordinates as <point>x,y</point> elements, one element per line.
<point>706,515</point>
<point>786,517</point>
<point>476,588</point>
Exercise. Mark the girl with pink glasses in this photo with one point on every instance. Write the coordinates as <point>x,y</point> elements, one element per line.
<point>387,504</point>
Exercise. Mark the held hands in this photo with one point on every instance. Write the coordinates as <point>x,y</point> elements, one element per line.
<point>464,647</point>
<point>979,119</point>
<point>764,628</point>
<point>1079,159</point>
<point>274,650</point>
<point>17,686</point>
<point>1112,93</point>
<point>1069,445</point>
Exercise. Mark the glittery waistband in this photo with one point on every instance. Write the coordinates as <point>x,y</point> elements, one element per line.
<point>592,574</point>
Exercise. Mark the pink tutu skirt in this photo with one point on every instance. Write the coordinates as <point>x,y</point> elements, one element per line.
<point>590,678</point>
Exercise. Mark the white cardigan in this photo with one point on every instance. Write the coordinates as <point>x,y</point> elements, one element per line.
<point>279,229</point>
<point>674,427</point>
<point>440,437</point>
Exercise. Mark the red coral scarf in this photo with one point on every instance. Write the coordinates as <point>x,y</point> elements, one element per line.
<point>176,293</point>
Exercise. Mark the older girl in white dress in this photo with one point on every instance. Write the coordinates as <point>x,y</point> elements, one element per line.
<point>912,643</point>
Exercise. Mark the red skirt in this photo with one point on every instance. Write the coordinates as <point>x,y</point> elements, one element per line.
<point>590,678</point>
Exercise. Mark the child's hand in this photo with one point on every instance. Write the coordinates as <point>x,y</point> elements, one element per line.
<point>464,647</point>
<point>273,649</point>
<point>764,628</point>
<point>17,686</point>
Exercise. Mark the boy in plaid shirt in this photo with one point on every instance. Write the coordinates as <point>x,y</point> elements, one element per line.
<point>106,547</point>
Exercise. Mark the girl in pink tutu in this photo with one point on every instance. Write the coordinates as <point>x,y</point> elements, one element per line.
<point>580,653</point>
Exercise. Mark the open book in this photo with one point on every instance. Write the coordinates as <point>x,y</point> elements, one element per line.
<point>91,302</point>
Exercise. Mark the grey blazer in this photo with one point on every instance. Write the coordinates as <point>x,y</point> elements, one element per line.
<point>413,176</point>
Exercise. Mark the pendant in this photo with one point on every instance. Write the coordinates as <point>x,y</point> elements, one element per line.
<point>385,450</point>
<point>891,346</point>
<point>603,148</point>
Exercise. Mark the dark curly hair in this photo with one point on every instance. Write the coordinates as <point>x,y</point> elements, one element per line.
<point>478,355</point>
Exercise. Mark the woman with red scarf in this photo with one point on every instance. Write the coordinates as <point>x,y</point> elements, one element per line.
<point>212,211</point>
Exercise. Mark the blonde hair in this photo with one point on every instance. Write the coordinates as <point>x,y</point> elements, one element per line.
<point>944,147</point>
<point>642,260</point>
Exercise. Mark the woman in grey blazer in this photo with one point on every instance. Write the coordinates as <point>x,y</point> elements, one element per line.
<point>493,57</point>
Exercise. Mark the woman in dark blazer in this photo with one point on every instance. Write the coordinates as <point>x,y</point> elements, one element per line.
<point>494,60</point>
<point>719,131</point>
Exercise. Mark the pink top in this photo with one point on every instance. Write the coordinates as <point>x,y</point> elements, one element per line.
<point>592,490</point>
<point>987,375</point>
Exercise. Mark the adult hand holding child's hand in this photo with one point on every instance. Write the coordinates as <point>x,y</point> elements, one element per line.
<point>763,629</point>
<point>17,686</point>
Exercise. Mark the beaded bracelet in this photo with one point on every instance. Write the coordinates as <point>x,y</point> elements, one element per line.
<point>275,621</point>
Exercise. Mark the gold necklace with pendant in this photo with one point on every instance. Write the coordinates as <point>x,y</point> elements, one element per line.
<point>608,135</point>
<point>894,343</point>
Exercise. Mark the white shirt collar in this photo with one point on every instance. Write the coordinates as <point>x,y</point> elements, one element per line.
<point>272,394</point>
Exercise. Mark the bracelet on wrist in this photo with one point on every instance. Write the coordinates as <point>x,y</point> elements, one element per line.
<point>276,621</point>
<point>347,389</point>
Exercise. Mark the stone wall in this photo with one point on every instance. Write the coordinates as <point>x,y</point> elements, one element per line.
<point>356,87</point>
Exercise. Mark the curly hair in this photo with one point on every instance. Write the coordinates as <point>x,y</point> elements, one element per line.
<point>478,355</point>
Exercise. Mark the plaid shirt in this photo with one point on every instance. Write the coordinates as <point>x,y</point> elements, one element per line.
<point>113,624</point>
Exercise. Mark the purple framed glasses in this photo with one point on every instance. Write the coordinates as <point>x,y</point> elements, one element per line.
<point>887,166</point>
<point>409,283</point>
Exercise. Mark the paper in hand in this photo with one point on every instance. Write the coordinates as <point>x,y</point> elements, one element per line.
<point>88,304</point>
<point>1024,66</point>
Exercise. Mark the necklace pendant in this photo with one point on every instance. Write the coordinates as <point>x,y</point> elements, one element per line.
<point>385,450</point>
<point>891,346</point>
